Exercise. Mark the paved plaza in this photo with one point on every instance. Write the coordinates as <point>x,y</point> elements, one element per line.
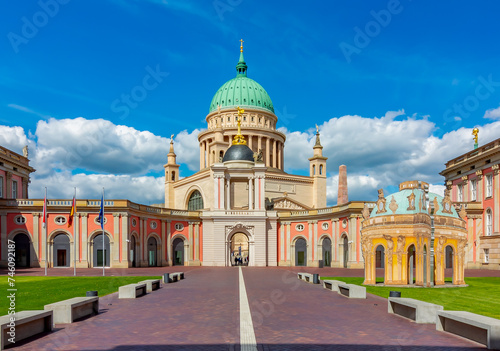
<point>210,310</point>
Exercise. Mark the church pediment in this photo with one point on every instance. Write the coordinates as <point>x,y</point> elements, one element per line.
<point>285,203</point>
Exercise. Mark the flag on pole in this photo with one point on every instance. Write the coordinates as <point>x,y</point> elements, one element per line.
<point>101,213</point>
<point>72,212</point>
<point>44,221</point>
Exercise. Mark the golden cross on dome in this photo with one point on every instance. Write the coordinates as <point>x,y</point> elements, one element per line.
<point>241,46</point>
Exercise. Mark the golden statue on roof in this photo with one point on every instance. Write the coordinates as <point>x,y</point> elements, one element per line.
<point>238,138</point>
<point>475,132</point>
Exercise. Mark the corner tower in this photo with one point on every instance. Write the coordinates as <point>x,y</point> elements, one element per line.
<point>171,175</point>
<point>258,125</point>
<point>317,170</point>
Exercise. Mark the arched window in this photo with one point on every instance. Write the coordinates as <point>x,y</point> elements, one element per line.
<point>173,175</point>
<point>314,169</point>
<point>195,202</point>
<point>489,222</point>
<point>320,169</point>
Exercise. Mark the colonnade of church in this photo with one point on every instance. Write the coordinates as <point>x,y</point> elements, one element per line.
<point>225,199</point>
<point>272,150</point>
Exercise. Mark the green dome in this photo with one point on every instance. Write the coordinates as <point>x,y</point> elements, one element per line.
<point>241,91</point>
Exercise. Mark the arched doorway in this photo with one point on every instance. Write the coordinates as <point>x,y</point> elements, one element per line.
<point>301,252</point>
<point>152,249</point>
<point>327,252</point>
<point>133,251</point>
<point>239,250</point>
<point>346,251</point>
<point>100,253</point>
<point>411,264</point>
<point>178,248</point>
<point>380,262</point>
<point>23,246</point>
<point>449,256</point>
<point>61,251</point>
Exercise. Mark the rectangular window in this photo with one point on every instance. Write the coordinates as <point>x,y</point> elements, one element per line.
<point>1,187</point>
<point>14,189</point>
<point>486,255</point>
<point>460,192</point>
<point>489,185</point>
<point>473,190</point>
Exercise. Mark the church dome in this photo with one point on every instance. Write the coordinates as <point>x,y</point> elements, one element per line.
<point>241,91</point>
<point>238,153</point>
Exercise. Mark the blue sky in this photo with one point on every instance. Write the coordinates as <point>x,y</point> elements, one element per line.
<point>395,86</point>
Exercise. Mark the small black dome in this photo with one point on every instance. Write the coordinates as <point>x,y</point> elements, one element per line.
<point>238,153</point>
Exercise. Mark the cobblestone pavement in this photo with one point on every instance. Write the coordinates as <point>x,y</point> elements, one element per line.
<point>201,312</point>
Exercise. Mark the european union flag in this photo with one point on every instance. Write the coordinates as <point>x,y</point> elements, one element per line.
<point>101,213</point>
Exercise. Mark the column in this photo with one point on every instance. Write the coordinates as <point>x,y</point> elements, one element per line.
<point>169,248</point>
<point>279,156</point>
<point>250,138</point>
<point>228,193</point>
<point>190,230</point>
<point>3,237</point>
<point>76,238</point>
<point>496,197</point>
<point>202,155</point>
<point>351,235</point>
<point>288,244</point>
<point>217,192</point>
<point>24,182</point>
<point>268,153</point>
<point>282,243</point>
<point>36,232</point>
<point>259,143</point>
<point>197,241</point>
<point>8,185</point>
<point>115,250</point>
<point>250,195</point>
<point>84,234</point>
<point>164,248</point>
<point>275,154</point>
<point>125,240</point>
<point>144,242</point>
<point>282,156</point>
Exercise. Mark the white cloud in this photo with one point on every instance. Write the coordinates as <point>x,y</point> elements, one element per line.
<point>493,113</point>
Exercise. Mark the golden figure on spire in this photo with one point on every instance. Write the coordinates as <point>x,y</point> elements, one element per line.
<point>238,138</point>
<point>241,46</point>
<point>475,132</point>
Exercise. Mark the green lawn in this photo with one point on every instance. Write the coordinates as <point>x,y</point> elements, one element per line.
<point>482,296</point>
<point>35,292</point>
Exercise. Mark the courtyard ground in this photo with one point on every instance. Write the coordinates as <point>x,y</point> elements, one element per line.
<point>202,312</point>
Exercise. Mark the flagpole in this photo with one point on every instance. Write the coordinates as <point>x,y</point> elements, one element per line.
<point>102,226</point>
<point>74,232</point>
<point>45,227</point>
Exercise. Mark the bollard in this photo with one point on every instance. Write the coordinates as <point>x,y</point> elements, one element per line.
<point>316,278</point>
<point>166,278</point>
<point>92,293</point>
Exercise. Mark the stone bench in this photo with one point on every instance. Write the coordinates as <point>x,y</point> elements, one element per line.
<point>352,291</point>
<point>67,311</point>
<point>332,285</point>
<point>27,324</point>
<point>131,291</point>
<point>180,275</point>
<point>419,311</point>
<point>482,329</point>
<point>151,284</point>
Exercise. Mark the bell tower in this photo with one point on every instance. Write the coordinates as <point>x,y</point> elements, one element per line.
<point>171,175</point>
<point>317,170</point>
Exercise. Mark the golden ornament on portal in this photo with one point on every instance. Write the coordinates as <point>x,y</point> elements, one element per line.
<point>238,138</point>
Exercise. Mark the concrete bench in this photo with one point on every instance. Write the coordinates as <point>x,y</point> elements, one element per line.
<point>67,311</point>
<point>352,291</point>
<point>131,291</point>
<point>482,329</point>
<point>180,275</point>
<point>151,284</point>
<point>419,311</point>
<point>27,324</point>
<point>332,285</point>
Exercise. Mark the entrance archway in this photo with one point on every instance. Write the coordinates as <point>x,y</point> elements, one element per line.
<point>61,251</point>
<point>133,251</point>
<point>380,261</point>
<point>327,252</point>
<point>23,246</point>
<point>449,271</point>
<point>239,250</point>
<point>411,264</point>
<point>100,254</point>
<point>178,248</point>
<point>346,251</point>
<point>301,252</point>
<point>152,249</point>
